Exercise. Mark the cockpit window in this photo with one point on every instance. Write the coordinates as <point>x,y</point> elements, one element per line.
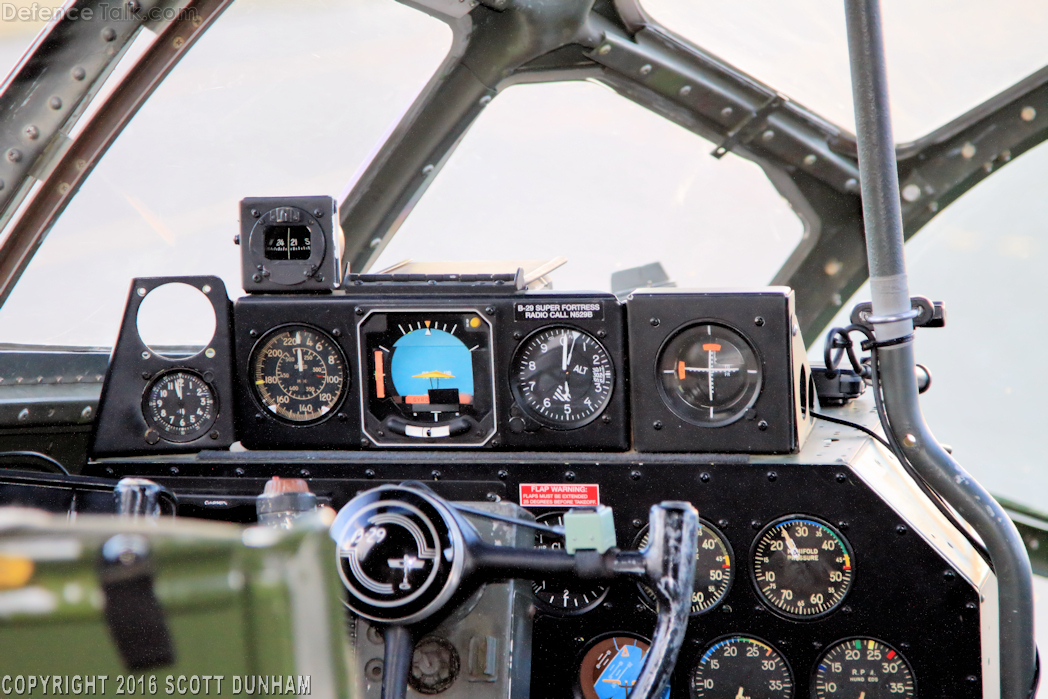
<point>573,169</point>
<point>944,56</point>
<point>985,256</point>
<point>276,98</point>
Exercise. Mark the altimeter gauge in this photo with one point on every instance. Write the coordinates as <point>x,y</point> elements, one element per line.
<point>802,566</point>
<point>562,377</point>
<point>299,373</point>
<point>709,375</point>
<point>179,405</point>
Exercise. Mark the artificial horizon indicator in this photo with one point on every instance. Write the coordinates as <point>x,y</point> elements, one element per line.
<point>298,373</point>
<point>611,665</point>
<point>709,374</point>
<point>803,567</point>
<point>741,667</point>
<point>180,405</point>
<point>714,570</point>
<point>556,597</point>
<point>562,377</point>
<point>428,376</point>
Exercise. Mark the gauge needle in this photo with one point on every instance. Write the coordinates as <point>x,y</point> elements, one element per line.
<point>178,388</point>
<point>564,352</point>
<point>794,553</point>
<point>574,336</point>
<point>300,367</point>
<point>862,695</point>
<point>740,695</point>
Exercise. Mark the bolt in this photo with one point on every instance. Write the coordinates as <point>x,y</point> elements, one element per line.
<point>685,91</point>
<point>704,477</point>
<point>655,322</point>
<point>359,311</point>
<point>318,213</point>
<point>601,333</point>
<point>78,73</point>
<point>604,50</point>
<point>364,442</point>
<point>14,155</point>
<point>635,475</point>
<point>55,103</point>
<point>239,471</point>
<point>901,529</point>
<point>435,474</point>
<point>133,6</point>
<point>637,523</point>
<point>174,470</point>
<point>970,605</point>
<point>492,497</point>
<point>214,434</point>
<point>256,277</point>
<point>252,333</point>
<point>755,524</point>
<point>146,375</point>
<point>369,473</point>
<point>374,669</point>
<point>841,477</point>
<point>258,417</point>
<point>722,523</point>
<point>108,34</point>
<point>909,441</point>
<point>772,476</point>
<point>846,609</point>
<point>177,43</point>
<point>236,239</point>
<point>645,69</point>
<point>32,133</point>
<point>842,525</point>
<point>759,321</point>
<point>490,310</point>
<point>503,474</point>
<point>949,575</point>
<point>255,213</point>
<point>972,678</point>
<point>517,335</point>
<point>762,425</point>
<point>657,424</point>
<point>342,417</point>
<point>569,475</point>
<point>335,332</point>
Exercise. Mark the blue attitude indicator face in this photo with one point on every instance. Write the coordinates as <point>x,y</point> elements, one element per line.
<point>610,668</point>
<point>431,359</point>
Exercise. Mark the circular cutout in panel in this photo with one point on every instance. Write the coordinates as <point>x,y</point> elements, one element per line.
<point>175,320</point>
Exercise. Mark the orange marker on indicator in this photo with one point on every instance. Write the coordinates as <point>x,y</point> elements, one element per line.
<point>711,347</point>
<point>680,370</point>
<point>380,376</point>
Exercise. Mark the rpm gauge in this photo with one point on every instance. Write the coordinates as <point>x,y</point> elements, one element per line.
<point>714,571</point>
<point>299,373</point>
<point>741,667</point>
<point>802,566</point>
<point>562,377</point>
<point>863,668</point>
<point>709,375</point>
<point>560,597</point>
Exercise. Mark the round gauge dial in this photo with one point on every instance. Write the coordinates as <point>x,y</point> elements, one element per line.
<point>556,596</point>
<point>299,373</point>
<point>180,405</point>
<point>802,566</point>
<point>744,667</point>
<point>714,571</point>
<point>709,375</point>
<point>610,666</point>
<point>863,668</point>
<point>562,377</point>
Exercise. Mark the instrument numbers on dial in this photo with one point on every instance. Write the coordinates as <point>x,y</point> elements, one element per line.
<point>741,667</point>
<point>180,405</point>
<point>802,566</point>
<point>299,373</point>
<point>862,668</point>
<point>555,596</point>
<point>714,570</point>
<point>562,377</point>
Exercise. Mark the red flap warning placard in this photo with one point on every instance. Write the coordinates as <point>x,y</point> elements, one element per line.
<point>559,494</point>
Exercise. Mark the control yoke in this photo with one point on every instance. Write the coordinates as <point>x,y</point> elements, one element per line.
<point>407,557</point>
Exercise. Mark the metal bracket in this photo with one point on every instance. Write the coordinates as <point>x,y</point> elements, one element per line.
<point>746,129</point>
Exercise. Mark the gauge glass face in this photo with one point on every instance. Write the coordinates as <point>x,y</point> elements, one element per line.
<point>741,667</point>
<point>709,375</point>
<point>863,668</point>
<point>428,374</point>
<point>556,597</point>
<point>562,377</point>
<point>714,570</point>
<point>179,404</point>
<point>299,373</point>
<point>610,667</point>
<point>802,566</point>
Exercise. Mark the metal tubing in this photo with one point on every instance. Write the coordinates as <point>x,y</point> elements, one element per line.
<point>890,292</point>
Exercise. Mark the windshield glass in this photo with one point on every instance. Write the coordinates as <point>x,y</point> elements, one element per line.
<point>246,113</point>
<point>944,56</point>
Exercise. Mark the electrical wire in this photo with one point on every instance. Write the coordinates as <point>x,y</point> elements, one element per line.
<point>559,531</point>
<point>882,414</point>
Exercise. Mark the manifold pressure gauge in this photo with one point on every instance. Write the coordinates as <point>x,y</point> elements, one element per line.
<point>179,405</point>
<point>299,373</point>
<point>562,377</point>
<point>802,566</point>
<point>709,375</point>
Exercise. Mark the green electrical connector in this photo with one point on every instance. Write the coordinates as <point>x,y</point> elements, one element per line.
<point>589,528</point>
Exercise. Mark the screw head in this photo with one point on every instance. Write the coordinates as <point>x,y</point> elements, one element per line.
<point>364,442</point>
<point>704,477</point>
<point>369,473</point>
<point>841,477</point>
<point>174,470</point>
<point>342,417</point>
<point>755,524</point>
<point>214,434</point>
<point>359,311</point>
<point>772,476</point>
<point>606,419</point>
<point>635,475</point>
<point>569,475</point>
<point>503,474</point>
<point>602,334</point>
<point>255,213</point>
<point>256,277</point>
<point>901,529</point>
<point>762,425</point>
<point>949,574</point>
<point>335,332</point>
<point>759,321</point>
<point>517,335</point>
<point>435,474</point>
<point>318,213</point>
<point>239,471</point>
<point>655,322</point>
<point>637,523</point>
<point>722,523</point>
<point>490,310</point>
<point>657,424</point>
